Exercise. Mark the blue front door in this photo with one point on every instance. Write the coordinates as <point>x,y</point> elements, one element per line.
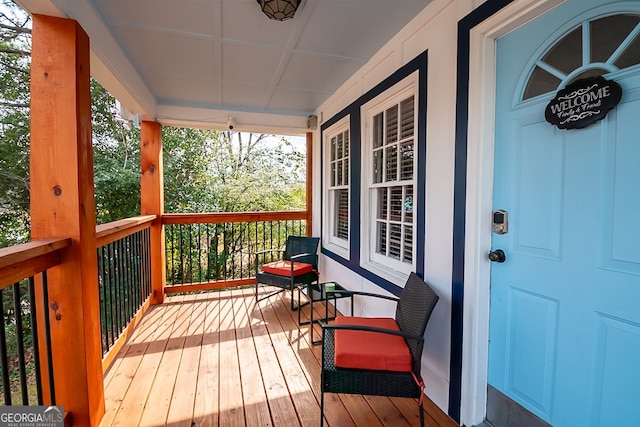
<point>565,305</point>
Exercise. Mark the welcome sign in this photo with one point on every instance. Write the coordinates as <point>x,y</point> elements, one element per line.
<point>583,103</point>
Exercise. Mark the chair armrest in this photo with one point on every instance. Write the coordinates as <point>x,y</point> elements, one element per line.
<point>326,326</point>
<point>297,256</point>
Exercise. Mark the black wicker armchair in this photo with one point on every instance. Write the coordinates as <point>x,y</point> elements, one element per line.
<point>299,265</point>
<point>379,356</point>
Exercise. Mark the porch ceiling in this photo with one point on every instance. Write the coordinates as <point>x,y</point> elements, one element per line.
<point>199,62</point>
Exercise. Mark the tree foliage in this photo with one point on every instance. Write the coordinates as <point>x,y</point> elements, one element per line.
<point>204,170</point>
<point>15,43</point>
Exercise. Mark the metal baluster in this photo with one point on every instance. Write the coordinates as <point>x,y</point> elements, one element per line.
<point>47,336</point>
<point>113,309</point>
<point>181,271</point>
<point>17,310</point>
<point>6,384</point>
<point>34,335</point>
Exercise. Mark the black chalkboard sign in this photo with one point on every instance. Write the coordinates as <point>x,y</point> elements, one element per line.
<point>583,103</point>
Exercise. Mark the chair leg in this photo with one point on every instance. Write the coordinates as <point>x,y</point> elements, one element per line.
<point>321,408</point>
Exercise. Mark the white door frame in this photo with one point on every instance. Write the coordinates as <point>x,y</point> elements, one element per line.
<point>479,198</point>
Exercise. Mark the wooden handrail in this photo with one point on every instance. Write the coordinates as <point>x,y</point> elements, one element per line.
<point>21,261</point>
<point>116,230</point>
<point>228,217</point>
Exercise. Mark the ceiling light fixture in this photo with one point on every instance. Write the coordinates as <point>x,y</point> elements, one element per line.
<point>279,10</point>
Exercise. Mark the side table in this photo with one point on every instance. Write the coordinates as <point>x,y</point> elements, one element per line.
<point>326,291</point>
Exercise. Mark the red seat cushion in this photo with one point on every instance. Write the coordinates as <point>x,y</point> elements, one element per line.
<point>371,350</point>
<point>283,268</point>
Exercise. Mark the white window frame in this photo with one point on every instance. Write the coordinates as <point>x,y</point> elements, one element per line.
<point>386,267</point>
<point>331,242</point>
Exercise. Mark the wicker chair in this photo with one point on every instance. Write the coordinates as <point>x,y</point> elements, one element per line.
<point>379,356</point>
<point>299,265</point>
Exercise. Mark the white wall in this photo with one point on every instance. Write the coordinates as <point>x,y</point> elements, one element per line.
<point>434,30</point>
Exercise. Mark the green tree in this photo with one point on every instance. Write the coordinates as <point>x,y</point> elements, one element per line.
<point>15,47</point>
<point>212,171</point>
<point>116,159</point>
<point>205,170</point>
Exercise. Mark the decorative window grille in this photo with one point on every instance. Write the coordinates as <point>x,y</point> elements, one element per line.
<point>393,180</point>
<point>339,188</point>
<point>336,194</point>
<point>594,48</point>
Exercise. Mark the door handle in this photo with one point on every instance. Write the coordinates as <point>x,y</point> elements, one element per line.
<point>497,256</point>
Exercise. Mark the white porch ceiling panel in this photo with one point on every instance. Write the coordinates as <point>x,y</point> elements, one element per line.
<point>198,62</point>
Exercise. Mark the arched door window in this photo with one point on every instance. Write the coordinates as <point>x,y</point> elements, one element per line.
<point>596,47</point>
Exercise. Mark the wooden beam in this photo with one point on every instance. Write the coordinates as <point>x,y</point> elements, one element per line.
<point>309,192</point>
<point>209,286</point>
<point>116,230</point>
<point>63,205</point>
<point>152,201</point>
<point>228,217</point>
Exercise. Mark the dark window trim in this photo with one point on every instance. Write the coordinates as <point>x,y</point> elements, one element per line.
<point>419,63</point>
<point>465,25</point>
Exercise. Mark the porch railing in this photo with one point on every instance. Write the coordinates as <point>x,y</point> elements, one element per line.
<point>25,341</point>
<point>124,277</point>
<point>208,251</point>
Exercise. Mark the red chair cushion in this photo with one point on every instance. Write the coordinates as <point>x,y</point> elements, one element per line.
<point>371,350</point>
<point>283,268</point>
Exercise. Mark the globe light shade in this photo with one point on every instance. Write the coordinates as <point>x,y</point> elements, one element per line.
<point>279,10</point>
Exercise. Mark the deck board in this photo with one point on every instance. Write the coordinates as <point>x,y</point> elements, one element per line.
<point>220,359</point>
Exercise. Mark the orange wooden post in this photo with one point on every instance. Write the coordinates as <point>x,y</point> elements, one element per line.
<point>309,183</point>
<point>63,205</point>
<point>152,201</point>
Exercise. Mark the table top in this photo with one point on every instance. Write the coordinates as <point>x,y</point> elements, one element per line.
<point>319,291</point>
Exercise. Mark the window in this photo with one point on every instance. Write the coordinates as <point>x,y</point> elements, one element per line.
<point>389,184</point>
<point>610,43</point>
<point>337,154</point>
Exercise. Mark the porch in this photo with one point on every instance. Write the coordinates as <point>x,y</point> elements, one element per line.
<point>218,358</point>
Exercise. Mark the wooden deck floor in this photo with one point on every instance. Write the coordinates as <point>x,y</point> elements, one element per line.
<point>218,359</point>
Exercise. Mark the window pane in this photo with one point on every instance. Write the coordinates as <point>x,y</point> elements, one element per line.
<point>408,204</point>
<point>345,177</point>
<point>346,144</point>
<point>381,238</point>
<point>339,147</point>
<point>392,163</point>
<point>342,214</point>
<point>408,244</point>
<point>592,72</point>
<point>378,131</point>
<point>392,124</point>
<point>333,148</point>
<point>631,55</point>
<point>377,166</point>
<point>339,172</point>
<point>566,54</point>
<point>540,82</point>
<point>406,161</point>
<point>333,174</point>
<point>395,205</point>
<point>382,203</point>
<point>406,117</point>
<point>608,33</point>
<point>395,240</point>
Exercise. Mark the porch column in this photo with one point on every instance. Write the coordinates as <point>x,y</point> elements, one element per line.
<point>152,201</point>
<point>309,192</point>
<point>63,205</point>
